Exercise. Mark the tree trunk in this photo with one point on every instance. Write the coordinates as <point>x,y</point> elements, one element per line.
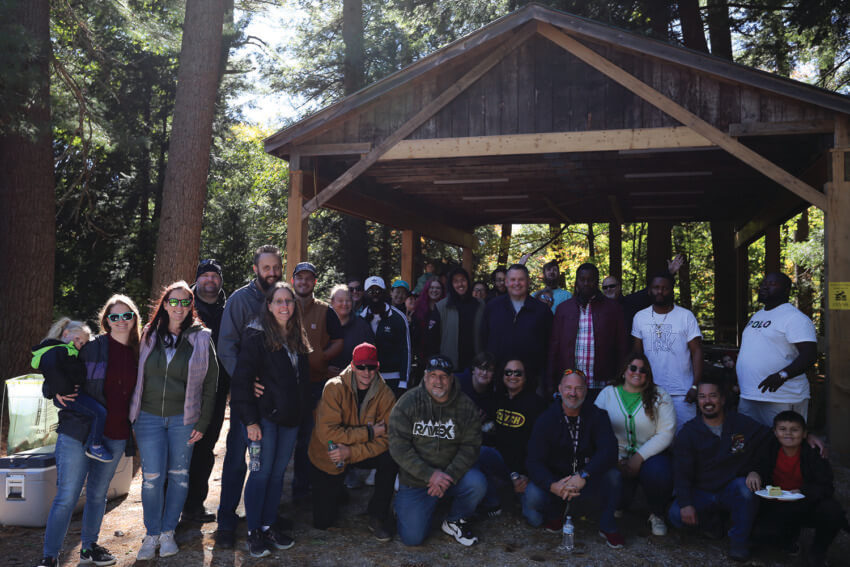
<point>718,29</point>
<point>801,273</point>
<point>185,188</point>
<point>692,31</point>
<point>28,217</point>
<point>725,282</point>
<point>591,242</point>
<point>504,245</point>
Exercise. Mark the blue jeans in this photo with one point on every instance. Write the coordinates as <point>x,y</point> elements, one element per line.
<point>415,508</point>
<point>656,479</point>
<point>265,486</point>
<point>73,468</point>
<point>165,450</point>
<point>735,498</point>
<point>492,464</point>
<point>89,406</point>
<point>233,472</point>
<point>540,504</point>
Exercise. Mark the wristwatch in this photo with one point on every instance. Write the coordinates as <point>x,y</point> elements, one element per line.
<point>783,374</point>
<point>584,475</point>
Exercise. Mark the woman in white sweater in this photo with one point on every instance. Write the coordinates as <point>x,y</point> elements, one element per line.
<point>644,422</point>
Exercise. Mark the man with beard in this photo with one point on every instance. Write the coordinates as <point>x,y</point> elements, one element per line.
<point>572,455</point>
<point>210,300</point>
<point>713,453</point>
<point>243,307</point>
<point>669,335</point>
<point>497,278</point>
<point>392,335</point>
<point>778,345</point>
<point>517,326</point>
<point>324,333</point>
<point>552,279</point>
<point>587,335</point>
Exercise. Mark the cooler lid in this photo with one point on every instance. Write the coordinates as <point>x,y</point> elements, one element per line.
<point>28,461</point>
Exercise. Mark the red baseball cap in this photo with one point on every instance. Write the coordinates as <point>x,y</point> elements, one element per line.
<point>364,353</point>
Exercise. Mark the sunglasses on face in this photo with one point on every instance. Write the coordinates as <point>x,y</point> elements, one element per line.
<point>175,302</point>
<point>636,368</point>
<point>353,288</point>
<point>485,368</point>
<point>516,373</point>
<point>609,286</point>
<point>115,317</point>
<point>375,291</point>
<point>366,366</point>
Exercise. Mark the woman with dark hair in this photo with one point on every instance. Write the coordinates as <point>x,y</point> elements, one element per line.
<point>110,365</point>
<point>460,321</point>
<point>426,320</point>
<point>275,352</point>
<point>644,422</point>
<point>172,405</point>
<point>517,408</point>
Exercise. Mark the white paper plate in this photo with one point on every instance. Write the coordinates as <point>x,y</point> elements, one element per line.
<point>786,496</point>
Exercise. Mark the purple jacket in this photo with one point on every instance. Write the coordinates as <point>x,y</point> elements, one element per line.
<point>609,337</point>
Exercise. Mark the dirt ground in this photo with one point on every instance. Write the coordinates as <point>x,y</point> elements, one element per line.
<point>504,541</point>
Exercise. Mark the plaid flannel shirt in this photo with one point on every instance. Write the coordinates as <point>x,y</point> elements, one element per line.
<point>585,350</point>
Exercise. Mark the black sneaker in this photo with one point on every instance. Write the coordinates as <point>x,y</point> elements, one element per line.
<point>96,555</point>
<point>257,545</point>
<point>276,539</point>
<point>459,529</point>
<point>47,562</point>
<point>224,539</point>
<point>379,530</point>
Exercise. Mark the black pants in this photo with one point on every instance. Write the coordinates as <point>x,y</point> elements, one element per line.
<point>327,489</point>
<point>203,458</point>
<point>301,463</point>
<point>781,521</point>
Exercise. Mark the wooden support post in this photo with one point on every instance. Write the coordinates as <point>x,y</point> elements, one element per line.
<point>408,256</point>
<point>771,249</point>
<point>296,225</point>
<point>726,315</point>
<point>659,246</point>
<point>467,260</point>
<point>743,292</point>
<point>504,245</point>
<point>838,274</point>
<point>615,250</point>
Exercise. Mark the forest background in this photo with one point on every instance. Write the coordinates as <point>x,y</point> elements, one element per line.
<point>117,177</point>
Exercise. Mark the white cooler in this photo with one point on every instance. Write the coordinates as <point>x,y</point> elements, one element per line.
<point>28,484</point>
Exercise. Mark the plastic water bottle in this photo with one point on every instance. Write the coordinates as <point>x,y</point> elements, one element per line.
<point>568,542</point>
<point>254,449</point>
<point>332,447</point>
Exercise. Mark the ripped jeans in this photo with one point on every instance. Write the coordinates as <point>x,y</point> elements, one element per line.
<point>165,451</point>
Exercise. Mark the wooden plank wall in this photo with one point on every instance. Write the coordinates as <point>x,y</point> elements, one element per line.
<point>541,88</point>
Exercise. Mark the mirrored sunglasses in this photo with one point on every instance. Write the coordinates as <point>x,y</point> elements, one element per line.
<point>184,302</point>
<point>115,317</point>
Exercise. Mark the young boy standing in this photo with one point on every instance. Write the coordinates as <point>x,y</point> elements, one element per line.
<point>796,467</point>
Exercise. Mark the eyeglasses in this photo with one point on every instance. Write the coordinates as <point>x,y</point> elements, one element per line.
<point>610,286</point>
<point>569,371</point>
<point>355,288</point>
<point>184,302</point>
<point>366,366</point>
<point>511,372</point>
<point>484,368</point>
<point>374,290</point>
<point>115,317</point>
<point>636,368</point>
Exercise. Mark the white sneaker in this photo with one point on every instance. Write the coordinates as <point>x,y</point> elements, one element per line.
<point>659,528</point>
<point>618,514</point>
<point>370,480</point>
<point>148,549</point>
<point>167,545</point>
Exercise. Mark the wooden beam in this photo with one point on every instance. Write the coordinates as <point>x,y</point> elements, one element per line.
<point>773,212</point>
<point>467,260</point>
<point>296,225</point>
<point>772,252</point>
<point>356,148</point>
<point>616,210</point>
<point>408,239</point>
<point>557,210</point>
<point>547,143</point>
<point>659,245</point>
<point>378,210</point>
<point>743,294</point>
<point>430,109</point>
<point>689,119</point>
<point>838,272</point>
<point>794,127</point>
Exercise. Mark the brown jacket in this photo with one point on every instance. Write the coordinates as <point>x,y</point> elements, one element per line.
<point>338,420</point>
<point>314,318</point>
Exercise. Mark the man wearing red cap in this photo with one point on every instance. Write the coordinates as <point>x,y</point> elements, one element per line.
<point>352,416</point>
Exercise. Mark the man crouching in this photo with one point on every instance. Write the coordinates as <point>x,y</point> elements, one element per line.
<point>351,430</point>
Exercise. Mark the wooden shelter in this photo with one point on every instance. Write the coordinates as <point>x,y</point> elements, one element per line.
<point>545,117</point>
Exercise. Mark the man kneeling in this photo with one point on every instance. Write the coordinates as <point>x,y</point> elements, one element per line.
<point>352,416</point>
<point>435,437</point>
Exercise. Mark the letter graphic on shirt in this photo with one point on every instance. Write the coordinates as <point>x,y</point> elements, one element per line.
<point>661,337</point>
<point>434,429</point>
<point>507,418</point>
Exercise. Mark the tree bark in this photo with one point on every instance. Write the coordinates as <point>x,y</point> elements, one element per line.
<point>28,217</point>
<point>718,29</point>
<point>692,31</point>
<point>504,245</point>
<point>801,273</point>
<point>185,188</point>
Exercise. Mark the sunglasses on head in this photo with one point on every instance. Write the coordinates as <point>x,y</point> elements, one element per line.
<point>569,371</point>
<point>115,317</point>
<point>636,368</point>
<point>609,286</point>
<point>184,302</point>
<point>511,372</point>
<point>366,366</point>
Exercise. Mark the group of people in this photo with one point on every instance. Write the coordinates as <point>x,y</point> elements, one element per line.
<point>597,394</point>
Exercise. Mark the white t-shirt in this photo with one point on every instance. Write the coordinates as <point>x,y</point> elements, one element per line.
<point>665,343</point>
<point>767,346</point>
